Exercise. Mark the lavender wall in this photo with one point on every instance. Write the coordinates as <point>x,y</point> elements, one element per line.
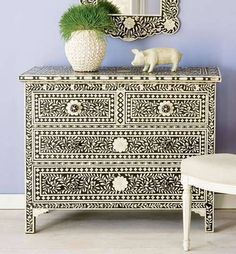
<point>29,36</point>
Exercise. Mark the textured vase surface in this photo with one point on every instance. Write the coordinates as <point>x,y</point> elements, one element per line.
<point>85,50</point>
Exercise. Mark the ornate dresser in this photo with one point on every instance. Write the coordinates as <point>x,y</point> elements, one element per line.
<point>114,139</point>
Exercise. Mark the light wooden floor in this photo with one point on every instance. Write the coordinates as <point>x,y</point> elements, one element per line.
<point>150,232</point>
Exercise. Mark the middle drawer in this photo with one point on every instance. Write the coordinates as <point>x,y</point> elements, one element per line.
<point>109,144</point>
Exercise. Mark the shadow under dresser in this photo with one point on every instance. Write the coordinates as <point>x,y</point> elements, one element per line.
<point>114,139</point>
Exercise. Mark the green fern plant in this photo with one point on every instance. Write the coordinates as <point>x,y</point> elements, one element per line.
<point>88,17</point>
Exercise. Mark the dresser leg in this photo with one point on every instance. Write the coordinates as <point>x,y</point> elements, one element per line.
<point>30,221</point>
<point>209,217</point>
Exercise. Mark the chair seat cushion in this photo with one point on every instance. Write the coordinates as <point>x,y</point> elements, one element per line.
<point>216,168</point>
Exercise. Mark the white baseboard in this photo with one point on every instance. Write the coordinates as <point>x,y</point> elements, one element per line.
<point>12,201</point>
<point>223,201</point>
<point>17,201</point>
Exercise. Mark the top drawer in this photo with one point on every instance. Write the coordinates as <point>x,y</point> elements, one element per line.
<point>166,107</point>
<point>74,107</point>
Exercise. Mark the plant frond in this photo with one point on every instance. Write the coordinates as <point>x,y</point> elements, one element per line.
<point>109,6</point>
<point>88,17</point>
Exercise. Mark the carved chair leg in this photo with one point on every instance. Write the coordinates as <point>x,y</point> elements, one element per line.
<point>30,221</point>
<point>187,202</point>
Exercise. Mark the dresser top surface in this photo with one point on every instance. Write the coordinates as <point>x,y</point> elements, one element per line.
<point>59,73</point>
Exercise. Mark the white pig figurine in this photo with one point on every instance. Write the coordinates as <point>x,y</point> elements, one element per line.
<point>155,56</point>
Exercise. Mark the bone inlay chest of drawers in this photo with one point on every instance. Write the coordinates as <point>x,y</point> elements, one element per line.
<point>114,139</point>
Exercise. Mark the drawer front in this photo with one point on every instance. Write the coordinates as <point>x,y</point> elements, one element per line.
<point>80,107</point>
<point>109,184</point>
<point>83,145</point>
<point>166,107</point>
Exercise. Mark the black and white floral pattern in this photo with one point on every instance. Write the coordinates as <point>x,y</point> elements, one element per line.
<point>171,107</point>
<point>79,184</point>
<point>97,145</point>
<point>84,107</point>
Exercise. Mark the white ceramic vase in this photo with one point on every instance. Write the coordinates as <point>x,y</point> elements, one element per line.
<point>85,50</point>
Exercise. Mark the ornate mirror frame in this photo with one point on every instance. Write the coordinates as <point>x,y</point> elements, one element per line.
<point>133,27</point>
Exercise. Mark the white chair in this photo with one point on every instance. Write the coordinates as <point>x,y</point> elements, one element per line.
<point>215,173</point>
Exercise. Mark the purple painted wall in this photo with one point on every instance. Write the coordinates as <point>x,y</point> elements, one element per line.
<point>31,37</point>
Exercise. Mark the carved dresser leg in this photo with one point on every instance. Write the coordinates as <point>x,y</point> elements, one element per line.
<point>30,221</point>
<point>209,216</point>
<point>187,202</point>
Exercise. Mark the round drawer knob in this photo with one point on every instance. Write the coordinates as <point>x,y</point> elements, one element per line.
<point>120,183</point>
<point>166,108</point>
<point>120,145</point>
<point>74,108</point>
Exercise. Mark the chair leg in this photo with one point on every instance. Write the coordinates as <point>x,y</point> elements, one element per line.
<point>187,203</point>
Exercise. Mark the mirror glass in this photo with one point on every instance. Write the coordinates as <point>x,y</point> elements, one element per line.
<point>139,7</point>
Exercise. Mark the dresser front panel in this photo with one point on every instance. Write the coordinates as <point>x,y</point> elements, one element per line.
<point>110,144</point>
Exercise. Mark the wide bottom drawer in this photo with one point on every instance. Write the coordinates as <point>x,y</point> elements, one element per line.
<point>109,184</point>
